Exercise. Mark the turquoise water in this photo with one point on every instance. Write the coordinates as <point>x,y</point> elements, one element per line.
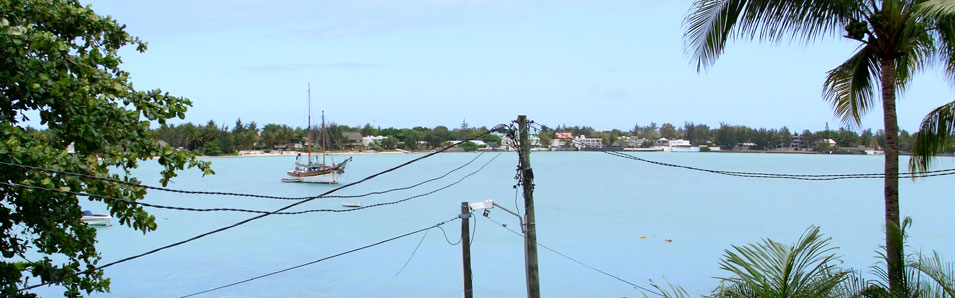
<point>590,206</point>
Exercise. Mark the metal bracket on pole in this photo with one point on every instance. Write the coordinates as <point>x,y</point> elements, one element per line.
<point>519,218</point>
<point>488,204</point>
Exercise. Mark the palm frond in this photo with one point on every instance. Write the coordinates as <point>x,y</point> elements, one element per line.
<point>943,274</point>
<point>710,23</point>
<point>944,34</point>
<point>935,133</point>
<point>936,8</point>
<point>917,47</point>
<point>772,269</point>
<point>856,286</point>
<point>673,291</point>
<point>849,86</point>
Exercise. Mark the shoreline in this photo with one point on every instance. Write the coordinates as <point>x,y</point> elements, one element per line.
<point>260,153</point>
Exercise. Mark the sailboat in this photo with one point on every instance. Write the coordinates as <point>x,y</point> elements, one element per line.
<point>313,171</point>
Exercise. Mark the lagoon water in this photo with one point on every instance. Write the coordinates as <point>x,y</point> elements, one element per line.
<point>590,206</point>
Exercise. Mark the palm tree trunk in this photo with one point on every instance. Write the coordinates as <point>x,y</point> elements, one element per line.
<point>893,248</point>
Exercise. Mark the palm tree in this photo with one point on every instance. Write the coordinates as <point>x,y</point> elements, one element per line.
<point>895,42</point>
<point>772,269</point>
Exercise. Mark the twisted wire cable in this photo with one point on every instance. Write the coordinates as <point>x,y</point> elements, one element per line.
<point>323,259</point>
<point>218,193</point>
<point>577,261</point>
<point>31,187</point>
<point>265,214</point>
<point>812,177</point>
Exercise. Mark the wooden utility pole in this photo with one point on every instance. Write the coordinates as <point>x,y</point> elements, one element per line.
<point>530,230</point>
<point>466,248</point>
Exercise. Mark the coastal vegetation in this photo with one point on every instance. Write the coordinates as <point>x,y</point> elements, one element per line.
<point>60,66</point>
<point>810,268</point>
<point>896,39</point>
<point>215,139</point>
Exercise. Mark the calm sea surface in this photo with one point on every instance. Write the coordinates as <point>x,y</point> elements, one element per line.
<point>590,206</point>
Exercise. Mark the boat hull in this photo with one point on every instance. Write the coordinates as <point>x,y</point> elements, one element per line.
<point>329,178</point>
<point>97,220</point>
<point>317,173</point>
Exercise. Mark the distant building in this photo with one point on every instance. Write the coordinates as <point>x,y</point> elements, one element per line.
<point>681,145</point>
<point>478,142</point>
<point>562,139</point>
<point>367,141</point>
<point>352,139</point>
<point>629,142</point>
<point>586,142</point>
<point>662,142</point>
<point>798,143</point>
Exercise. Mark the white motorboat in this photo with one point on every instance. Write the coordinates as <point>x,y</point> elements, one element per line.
<point>96,219</point>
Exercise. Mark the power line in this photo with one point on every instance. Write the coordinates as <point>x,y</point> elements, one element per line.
<point>266,214</point>
<point>415,251</point>
<point>813,177</point>
<point>216,193</point>
<point>325,258</point>
<point>414,185</point>
<point>248,210</point>
<point>577,261</point>
<point>445,233</point>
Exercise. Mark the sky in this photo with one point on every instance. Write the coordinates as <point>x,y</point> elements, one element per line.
<point>602,63</point>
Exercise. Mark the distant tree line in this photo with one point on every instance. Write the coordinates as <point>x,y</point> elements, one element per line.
<point>731,136</point>
<point>215,139</point>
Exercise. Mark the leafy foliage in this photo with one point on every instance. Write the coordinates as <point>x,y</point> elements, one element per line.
<point>924,276</point>
<point>59,60</point>
<point>469,146</point>
<point>772,269</point>
<point>935,137</point>
<point>897,38</point>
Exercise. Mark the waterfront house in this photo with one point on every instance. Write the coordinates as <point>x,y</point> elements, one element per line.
<point>352,139</point>
<point>682,145</point>
<point>562,139</point>
<point>585,142</point>
<point>662,142</point>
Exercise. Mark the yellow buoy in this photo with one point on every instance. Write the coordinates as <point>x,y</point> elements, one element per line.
<point>643,237</point>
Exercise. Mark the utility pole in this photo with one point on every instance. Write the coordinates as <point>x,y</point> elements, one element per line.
<point>466,248</point>
<point>530,233</point>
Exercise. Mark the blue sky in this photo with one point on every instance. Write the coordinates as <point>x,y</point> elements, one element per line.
<point>606,64</point>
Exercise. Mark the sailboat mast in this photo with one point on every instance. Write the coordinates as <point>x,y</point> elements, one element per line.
<point>308,129</point>
<point>323,137</point>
